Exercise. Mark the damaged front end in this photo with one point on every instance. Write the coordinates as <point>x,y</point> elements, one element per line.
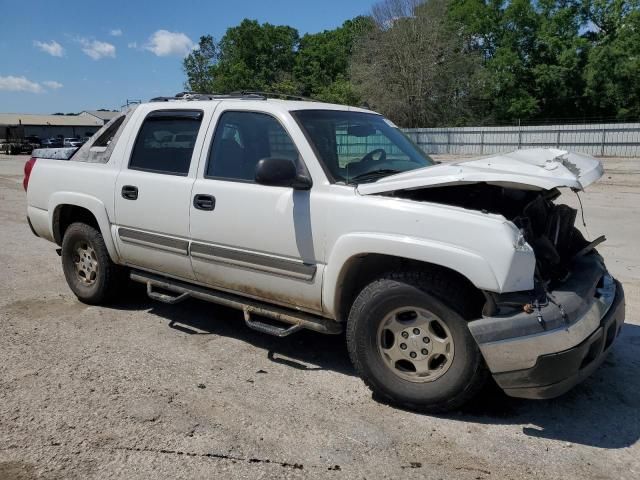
<point>540,342</point>
<point>547,227</point>
<point>521,186</point>
<point>542,348</point>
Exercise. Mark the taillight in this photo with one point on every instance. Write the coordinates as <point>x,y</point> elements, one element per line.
<point>27,172</point>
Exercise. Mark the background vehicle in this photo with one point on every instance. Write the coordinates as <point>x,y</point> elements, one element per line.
<point>13,141</point>
<point>34,140</point>
<point>72,142</point>
<point>52,142</point>
<point>324,217</point>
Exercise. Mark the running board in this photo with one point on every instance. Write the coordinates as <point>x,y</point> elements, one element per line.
<point>295,319</point>
<point>269,329</point>
<point>163,297</point>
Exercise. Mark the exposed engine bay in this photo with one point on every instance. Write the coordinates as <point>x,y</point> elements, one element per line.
<point>548,227</point>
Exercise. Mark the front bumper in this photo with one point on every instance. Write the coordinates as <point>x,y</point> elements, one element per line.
<point>545,353</point>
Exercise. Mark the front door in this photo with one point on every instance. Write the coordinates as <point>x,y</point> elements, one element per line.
<point>153,192</point>
<point>254,239</point>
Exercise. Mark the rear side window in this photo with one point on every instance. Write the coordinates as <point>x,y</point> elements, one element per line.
<point>165,142</point>
<point>105,139</point>
<point>242,139</point>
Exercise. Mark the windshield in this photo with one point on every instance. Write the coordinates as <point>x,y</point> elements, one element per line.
<point>359,147</point>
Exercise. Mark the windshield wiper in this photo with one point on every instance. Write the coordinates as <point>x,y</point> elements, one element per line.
<point>373,175</point>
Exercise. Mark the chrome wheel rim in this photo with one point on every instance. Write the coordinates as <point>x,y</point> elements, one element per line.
<point>86,263</point>
<point>415,344</point>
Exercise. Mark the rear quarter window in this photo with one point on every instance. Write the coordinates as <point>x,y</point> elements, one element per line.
<point>107,136</point>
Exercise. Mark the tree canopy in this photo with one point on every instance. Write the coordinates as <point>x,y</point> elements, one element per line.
<point>266,57</point>
<point>444,62</point>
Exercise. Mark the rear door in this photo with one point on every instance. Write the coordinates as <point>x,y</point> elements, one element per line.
<point>153,190</point>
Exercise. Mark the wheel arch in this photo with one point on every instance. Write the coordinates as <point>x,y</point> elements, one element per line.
<point>71,208</point>
<point>350,269</point>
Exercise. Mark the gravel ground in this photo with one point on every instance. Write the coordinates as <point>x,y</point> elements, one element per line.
<point>145,390</point>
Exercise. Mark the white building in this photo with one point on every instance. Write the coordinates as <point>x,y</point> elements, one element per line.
<point>46,126</point>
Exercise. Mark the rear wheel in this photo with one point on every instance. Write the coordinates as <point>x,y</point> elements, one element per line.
<point>411,345</point>
<point>88,269</point>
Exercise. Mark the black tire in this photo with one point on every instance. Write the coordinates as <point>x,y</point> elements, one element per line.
<point>108,278</point>
<point>436,294</point>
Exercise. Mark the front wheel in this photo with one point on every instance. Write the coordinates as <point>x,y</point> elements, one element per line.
<point>90,272</point>
<point>411,346</point>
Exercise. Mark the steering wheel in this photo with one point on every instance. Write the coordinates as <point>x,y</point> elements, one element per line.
<point>369,156</point>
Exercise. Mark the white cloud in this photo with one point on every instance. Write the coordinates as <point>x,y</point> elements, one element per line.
<point>19,84</point>
<point>132,44</point>
<point>53,48</point>
<point>96,49</point>
<point>164,43</point>
<point>116,32</point>
<point>52,84</point>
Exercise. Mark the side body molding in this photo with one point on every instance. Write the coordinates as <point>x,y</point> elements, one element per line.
<point>470,264</point>
<point>95,206</point>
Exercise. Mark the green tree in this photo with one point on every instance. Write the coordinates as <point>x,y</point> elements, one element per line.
<point>612,73</point>
<point>533,55</point>
<point>415,66</point>
<point>560,57</point>
<point>321,68</point>
<point>254,56</point>
<point>556,58</point>
<point>444,62</point>
<point>250,56</point>
<point>199,66</point>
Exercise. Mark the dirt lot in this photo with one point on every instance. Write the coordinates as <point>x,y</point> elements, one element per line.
<point>145,390</point>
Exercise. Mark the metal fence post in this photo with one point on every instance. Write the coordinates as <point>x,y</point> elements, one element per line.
<point>482,142</point>
<point>558,139</point>
<point>448,141</point>
<point>604,136</point>
<point>519,135</point>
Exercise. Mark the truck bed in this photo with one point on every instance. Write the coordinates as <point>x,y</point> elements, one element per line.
<point>64,153</point>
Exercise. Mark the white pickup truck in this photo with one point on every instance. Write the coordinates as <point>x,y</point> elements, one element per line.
<point>327,217</point>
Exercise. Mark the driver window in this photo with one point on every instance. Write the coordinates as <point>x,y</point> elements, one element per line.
<point>241,140</point>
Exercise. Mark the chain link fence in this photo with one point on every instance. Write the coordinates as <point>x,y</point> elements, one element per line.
<point>605,139</point>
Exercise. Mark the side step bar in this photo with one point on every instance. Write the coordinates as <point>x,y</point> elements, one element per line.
<point>294,319</point>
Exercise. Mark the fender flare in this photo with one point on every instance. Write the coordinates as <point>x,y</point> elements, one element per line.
<point>467,263</point>
<point>95,206</point>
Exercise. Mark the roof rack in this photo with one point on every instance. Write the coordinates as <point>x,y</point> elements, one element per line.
<point>241,95</point>
<point>284,96</point>
<point>207,96</point>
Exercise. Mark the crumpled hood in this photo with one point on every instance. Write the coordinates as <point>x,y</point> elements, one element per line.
<point>536,168</point>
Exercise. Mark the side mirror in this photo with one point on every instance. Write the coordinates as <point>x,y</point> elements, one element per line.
<point>280,172</point>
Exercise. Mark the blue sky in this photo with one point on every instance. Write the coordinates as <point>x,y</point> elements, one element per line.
<point>69,56</point>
